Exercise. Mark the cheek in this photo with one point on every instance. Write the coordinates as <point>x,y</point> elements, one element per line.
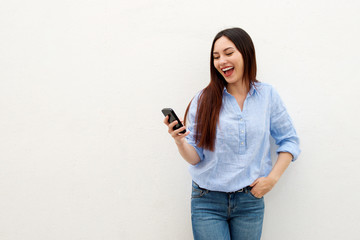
<point>241,63</point>
<point>240,66</point>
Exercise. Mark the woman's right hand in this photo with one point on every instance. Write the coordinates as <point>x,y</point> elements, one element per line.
<point>178,137</point>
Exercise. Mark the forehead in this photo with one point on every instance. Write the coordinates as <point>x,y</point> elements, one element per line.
<point>223,43</point>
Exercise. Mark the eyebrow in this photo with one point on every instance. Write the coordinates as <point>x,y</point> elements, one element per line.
<point>224,50</point>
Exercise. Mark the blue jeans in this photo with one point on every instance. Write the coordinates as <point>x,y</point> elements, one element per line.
<point>221,215</point>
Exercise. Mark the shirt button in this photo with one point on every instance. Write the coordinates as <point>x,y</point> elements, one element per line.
<point>242,143</point>
<point>242,131</point>
<point>241,119</point>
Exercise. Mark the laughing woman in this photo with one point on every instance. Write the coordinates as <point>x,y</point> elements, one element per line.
<point>228,143</point>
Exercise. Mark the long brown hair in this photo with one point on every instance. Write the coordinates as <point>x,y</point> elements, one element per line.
<point>210,100</point>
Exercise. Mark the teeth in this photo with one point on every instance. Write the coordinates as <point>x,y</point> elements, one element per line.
<point>226,69</point>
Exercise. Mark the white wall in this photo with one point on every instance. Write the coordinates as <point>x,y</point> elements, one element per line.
<point>83,150</point>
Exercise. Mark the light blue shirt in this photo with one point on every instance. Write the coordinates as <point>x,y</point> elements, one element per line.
<point>242,145</point>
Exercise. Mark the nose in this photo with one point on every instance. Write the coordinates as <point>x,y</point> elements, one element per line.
<point>222,61</point>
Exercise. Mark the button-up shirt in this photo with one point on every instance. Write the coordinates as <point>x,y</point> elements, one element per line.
<point>242,144</point>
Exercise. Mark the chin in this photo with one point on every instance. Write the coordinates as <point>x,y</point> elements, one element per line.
<point>230,80</point>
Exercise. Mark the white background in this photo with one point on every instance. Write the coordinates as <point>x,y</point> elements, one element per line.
<point>83,150</point>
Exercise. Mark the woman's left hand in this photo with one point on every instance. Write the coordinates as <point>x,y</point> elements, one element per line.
<point>261,186</point>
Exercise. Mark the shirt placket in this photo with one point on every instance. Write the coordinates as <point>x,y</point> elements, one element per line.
<point>242,130</point>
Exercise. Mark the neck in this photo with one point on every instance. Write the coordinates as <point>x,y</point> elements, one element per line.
<point>238,89</point>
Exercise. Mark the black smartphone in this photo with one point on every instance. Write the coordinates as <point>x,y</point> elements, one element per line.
<point>173,117</point>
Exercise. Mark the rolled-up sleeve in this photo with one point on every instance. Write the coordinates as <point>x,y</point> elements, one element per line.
<point>191,127</point>
<point>282,128</point>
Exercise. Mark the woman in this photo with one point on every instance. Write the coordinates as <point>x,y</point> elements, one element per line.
<point>228,145</point>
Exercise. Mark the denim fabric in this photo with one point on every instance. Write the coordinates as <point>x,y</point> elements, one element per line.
<point>242,144</point>
<point>224,216</point>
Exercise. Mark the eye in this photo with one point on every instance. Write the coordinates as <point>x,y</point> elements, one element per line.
<point>229,54</point>
<point>216,57</point>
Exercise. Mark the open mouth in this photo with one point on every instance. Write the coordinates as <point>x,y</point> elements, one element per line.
<point>227,71</point>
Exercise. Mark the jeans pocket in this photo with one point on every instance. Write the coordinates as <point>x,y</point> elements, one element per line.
<point>252,196</point>
<point>198,192</point>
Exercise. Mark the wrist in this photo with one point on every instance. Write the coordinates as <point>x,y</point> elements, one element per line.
<point>180,143</point>
<point>273,179</point>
